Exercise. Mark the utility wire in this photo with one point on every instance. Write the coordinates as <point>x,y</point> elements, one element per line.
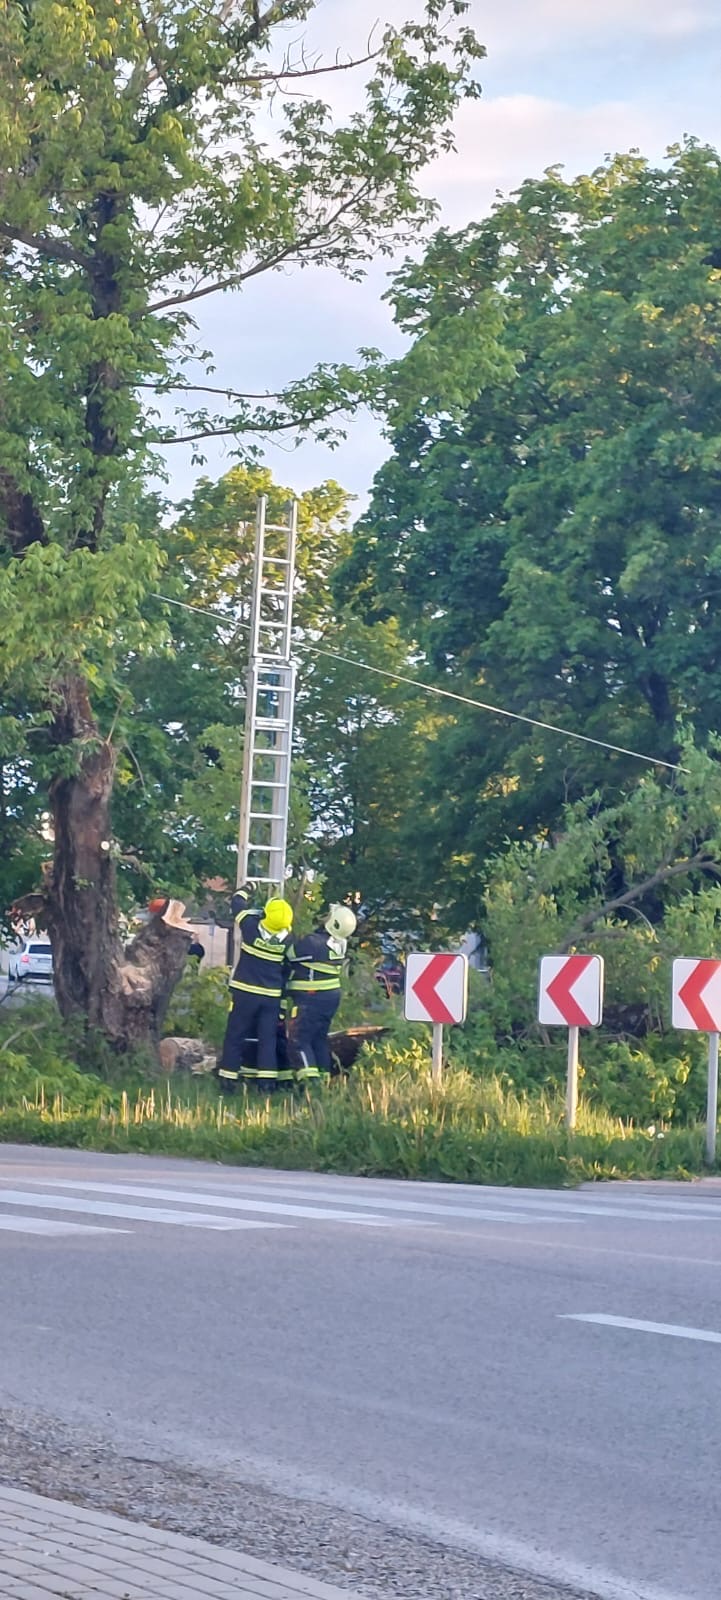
<point>432,688</point>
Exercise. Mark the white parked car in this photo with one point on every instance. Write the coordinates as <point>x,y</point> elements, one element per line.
<point>33,961</point>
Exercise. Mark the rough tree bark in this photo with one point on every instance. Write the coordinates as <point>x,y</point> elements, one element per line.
<point>124,992</point>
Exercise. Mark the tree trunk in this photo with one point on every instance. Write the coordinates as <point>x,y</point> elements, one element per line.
<point>124,993</point>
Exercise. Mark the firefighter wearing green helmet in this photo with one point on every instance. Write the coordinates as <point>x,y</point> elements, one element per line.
<point>315,966</point>
<point>256,989</point>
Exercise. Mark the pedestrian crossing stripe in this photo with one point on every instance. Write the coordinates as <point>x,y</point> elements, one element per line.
<point>552,1208</point>
<point>518,1209</point>
<point>107,1208</point>
<point>225,1201</point>
<point>51,1228</point>
<point>273,1204</point>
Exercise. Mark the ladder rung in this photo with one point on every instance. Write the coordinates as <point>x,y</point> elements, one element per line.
<point>267,783</point>
<point>266,816</point>
<point>280,723</point>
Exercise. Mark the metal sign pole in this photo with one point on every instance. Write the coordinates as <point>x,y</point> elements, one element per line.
<point>712,1099</point>
<point>572,1079</point>
<point>437,1057</point>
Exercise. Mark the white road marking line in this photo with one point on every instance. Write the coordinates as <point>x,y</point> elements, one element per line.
<point>46,1226</point>
<point>476,1213</point>
<point>228,1201</point>
<point>672,1330</point>
<point>104,1208</point>
<point>573,1209</point>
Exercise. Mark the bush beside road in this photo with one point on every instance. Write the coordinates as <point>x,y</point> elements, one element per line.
<point>391,1122</point>
<point>62,1086</point>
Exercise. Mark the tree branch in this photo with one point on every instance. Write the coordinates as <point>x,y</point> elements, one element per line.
<point>267,429</point>
<point>55,249</point>
<point>158,72</point>
<point>206,388</point>
<point>285,73</point>
<point>267,265</point>
<point>675,869</point>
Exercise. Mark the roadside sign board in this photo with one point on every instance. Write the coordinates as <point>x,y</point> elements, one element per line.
<point>436,988</point>
<point>696,1007</point>
<point>570,991</point>
<point>696,995</point>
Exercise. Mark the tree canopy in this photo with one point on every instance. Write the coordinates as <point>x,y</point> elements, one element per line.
<point>547,525</point>
<point>146,163</point>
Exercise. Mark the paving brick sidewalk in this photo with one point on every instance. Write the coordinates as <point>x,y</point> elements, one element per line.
<point>52,1548</point>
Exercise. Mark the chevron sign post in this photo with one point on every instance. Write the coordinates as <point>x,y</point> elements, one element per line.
<point>696,1007</point>
<point>570,995</point>
<point>436,991</point>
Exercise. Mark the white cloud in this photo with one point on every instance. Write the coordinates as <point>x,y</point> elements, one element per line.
<point>519,26</point>
<point>500,142</point>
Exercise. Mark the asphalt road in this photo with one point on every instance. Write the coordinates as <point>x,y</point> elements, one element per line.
<point>410,1352</point>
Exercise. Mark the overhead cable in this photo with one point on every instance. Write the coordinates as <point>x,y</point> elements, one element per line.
<point>433,688</point>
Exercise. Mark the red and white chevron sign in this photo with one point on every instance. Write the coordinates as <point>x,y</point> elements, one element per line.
<point>696,995</point>
<point>436,988</point>
<point>570,991</point>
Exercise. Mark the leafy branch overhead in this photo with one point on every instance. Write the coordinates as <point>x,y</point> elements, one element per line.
<point>146,163</point>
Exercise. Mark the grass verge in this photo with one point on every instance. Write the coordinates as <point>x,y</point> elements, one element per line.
<point>380,1123</point>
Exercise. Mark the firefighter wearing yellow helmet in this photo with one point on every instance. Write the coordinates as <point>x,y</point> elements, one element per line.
<point>314,988</point>
<point>256,989</point>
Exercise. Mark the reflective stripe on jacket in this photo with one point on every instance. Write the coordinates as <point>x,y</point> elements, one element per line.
<point>261,965</point>
<point>314,966</point>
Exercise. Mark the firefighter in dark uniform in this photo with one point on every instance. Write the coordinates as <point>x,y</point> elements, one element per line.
<point>256,989</point>
<point>315,965</point>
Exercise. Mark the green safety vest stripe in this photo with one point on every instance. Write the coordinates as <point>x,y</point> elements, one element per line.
<point>286,1076</point>
<point>252,988</point>
<point>225,1072</point>
<point>265,955</point>
<point>312,986</point>
<point>317,966</point>
<point>269,1073</point>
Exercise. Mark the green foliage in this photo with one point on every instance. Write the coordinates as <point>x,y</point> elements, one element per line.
<point>393,1123</point>
<point>363,999</point>
<point>23,1084</point>
<point>549,537</point>
<point>199,1006</point>
<point>52,1045</point>
<point>139,178</point>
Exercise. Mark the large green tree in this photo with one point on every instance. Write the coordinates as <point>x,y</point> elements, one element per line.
<point>549,523</point>
<point>136,179</point>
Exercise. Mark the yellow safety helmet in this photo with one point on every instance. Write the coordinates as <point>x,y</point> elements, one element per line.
<point>278,916</point>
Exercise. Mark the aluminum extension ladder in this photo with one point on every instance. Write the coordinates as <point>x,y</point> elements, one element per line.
<point>270,697</point>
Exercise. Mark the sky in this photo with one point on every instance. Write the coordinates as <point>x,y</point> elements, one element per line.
<point>565,81</point>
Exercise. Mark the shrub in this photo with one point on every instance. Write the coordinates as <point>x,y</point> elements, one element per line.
<point>199,1006</point>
